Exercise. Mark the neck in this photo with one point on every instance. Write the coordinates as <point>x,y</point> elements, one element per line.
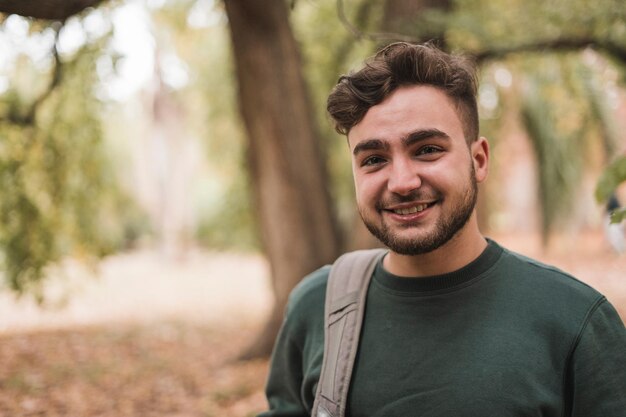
<point>463,248</point>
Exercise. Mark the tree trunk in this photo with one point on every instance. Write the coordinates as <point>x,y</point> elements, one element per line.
<point>298,228</point>
<point>46,9</point>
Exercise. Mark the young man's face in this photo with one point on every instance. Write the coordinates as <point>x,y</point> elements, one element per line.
<point>414,173</point>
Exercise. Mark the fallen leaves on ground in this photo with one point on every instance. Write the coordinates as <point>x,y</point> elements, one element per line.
<point>173,369</point>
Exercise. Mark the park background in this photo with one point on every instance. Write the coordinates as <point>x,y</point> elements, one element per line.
<point>168,173</point>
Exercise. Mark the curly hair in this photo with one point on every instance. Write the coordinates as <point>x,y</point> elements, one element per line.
<point>403,64</point>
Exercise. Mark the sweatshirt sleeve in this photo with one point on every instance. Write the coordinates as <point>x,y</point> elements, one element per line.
<point>297,357</point>
<point>598,365</point>
<point>285,378</point>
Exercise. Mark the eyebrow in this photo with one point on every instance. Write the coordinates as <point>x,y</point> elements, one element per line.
<point>420,135</point>
<point>370,145</point>
<point>408,140</point>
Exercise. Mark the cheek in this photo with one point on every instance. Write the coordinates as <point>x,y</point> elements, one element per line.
<point>360,192</point>
<point>448,177</point>
<point>365,189</point>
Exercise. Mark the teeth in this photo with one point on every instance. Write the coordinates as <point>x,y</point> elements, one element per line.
<point>411,210</point>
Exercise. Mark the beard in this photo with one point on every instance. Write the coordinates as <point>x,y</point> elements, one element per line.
<point>446,226</point>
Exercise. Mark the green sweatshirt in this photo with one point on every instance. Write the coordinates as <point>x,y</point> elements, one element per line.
<point>503,336</point>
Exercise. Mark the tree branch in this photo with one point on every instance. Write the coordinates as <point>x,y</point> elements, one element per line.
<point>555,45</point>
<point>46,9</point>
<point>29,118</point>
<point>563,45</point>
<point>359,34</point>
<point>54,83</point>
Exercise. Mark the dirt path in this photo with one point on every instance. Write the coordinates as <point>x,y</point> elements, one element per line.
<point>142,287</point>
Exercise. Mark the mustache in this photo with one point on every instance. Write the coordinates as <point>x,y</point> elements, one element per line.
<point>412,197</point>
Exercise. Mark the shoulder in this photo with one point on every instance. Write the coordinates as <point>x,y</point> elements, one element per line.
<point>549,279</point>
<point>304,316</point>
<point>550,300</point>
<point>310,291</point>
<point>312,288</point>
<point>545,294</point>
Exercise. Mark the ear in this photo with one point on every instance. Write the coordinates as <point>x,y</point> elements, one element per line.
<point>480,158</point>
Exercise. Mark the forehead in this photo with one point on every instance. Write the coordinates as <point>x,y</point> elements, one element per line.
<point>406,110</point>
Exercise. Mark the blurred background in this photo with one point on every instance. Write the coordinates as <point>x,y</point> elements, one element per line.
<point>168,174</point>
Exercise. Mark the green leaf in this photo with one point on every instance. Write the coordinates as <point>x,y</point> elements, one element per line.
<point>618,216</point>
<point>611,178</point>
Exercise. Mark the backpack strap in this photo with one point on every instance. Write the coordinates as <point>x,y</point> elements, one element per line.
<point>346,293</point>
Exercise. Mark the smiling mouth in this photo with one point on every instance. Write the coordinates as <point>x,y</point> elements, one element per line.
<point>414,209</point>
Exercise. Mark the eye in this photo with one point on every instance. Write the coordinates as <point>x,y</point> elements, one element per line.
<point>372,161</point>
<point>428,149</point>
<point>429,152</point>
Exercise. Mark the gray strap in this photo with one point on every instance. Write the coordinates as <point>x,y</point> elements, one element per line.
<point>346,293</point>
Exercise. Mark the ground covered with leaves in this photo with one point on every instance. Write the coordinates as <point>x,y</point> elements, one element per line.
<point>148,336</point>
<point>160,369</point>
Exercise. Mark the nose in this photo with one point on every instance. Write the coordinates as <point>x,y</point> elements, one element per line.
<point>403,178</point>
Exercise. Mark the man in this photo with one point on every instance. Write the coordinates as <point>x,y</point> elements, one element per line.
<point>455,325</point>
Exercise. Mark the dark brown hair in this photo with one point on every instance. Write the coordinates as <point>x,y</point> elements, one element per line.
<point>402,64</point>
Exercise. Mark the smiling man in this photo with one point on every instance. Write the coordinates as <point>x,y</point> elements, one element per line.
<point>454,324</point>
<point>416,177</point>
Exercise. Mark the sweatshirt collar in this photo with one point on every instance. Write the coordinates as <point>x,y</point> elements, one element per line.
<point>469,272</point>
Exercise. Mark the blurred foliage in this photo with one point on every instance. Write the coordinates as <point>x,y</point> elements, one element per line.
<point>476,25</point>
<point>59,194</point>
<point>555,132</point>
<point>568,127</point>
<point>223,198</point>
